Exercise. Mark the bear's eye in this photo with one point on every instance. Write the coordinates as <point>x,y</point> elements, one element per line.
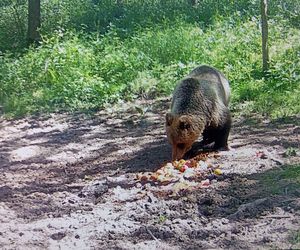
<point>180,145</point>
<point>187,126</point>
<point>184,125</point>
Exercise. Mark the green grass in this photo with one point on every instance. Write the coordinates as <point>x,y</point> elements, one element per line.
<point>285,180</point>
<point>97,59</point>
<point>295,238</point>
<point>100,15</point>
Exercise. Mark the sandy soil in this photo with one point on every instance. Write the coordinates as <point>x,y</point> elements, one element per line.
<point>67,181</point>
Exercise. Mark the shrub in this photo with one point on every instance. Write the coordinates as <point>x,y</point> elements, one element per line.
<point>74,69</point>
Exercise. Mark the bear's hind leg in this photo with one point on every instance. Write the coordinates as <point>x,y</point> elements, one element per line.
<point>222,133</point>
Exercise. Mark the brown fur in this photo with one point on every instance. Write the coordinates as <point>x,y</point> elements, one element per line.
<point>199,106</point>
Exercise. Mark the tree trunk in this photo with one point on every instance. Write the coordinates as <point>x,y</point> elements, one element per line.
<point>34,20</point>
<point>264,29</point>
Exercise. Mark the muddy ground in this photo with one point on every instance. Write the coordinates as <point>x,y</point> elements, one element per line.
<point>67,181</point>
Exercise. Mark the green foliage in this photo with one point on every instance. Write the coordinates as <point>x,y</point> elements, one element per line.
<point>282,181</point>
<point>13,24</point>
<point>290,152</point>
<point>278,94</point>
<point>295,239</point>
<point>126,16</point>
<point>103,52</point>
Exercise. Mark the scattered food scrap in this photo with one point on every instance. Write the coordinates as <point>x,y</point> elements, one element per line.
<point>184,174</point>
<point>261,155</point>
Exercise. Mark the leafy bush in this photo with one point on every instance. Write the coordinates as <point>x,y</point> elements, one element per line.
<point>72,70</point>
<point>13,24</point>
<point>143,49</point>
<point>57,74</point>
<point>126,16</point>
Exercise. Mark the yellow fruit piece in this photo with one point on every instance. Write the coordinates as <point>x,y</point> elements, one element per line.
<point>160,178</point>
<point>182,161</point>
<point>217,171</point>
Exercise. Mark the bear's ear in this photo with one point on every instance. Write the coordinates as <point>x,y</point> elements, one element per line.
<point>185,122</point>
<point>169,119</point>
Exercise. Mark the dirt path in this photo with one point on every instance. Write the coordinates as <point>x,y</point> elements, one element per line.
<point>68,182</point>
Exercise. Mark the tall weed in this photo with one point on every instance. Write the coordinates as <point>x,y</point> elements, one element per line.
<point>75,70</point>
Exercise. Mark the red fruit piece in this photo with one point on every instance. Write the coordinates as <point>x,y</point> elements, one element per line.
<point>205,183</point>
<point>261,155</point>
<point>183,168</point>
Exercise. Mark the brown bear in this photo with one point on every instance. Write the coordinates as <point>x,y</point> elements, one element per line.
<point>199,106</point>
